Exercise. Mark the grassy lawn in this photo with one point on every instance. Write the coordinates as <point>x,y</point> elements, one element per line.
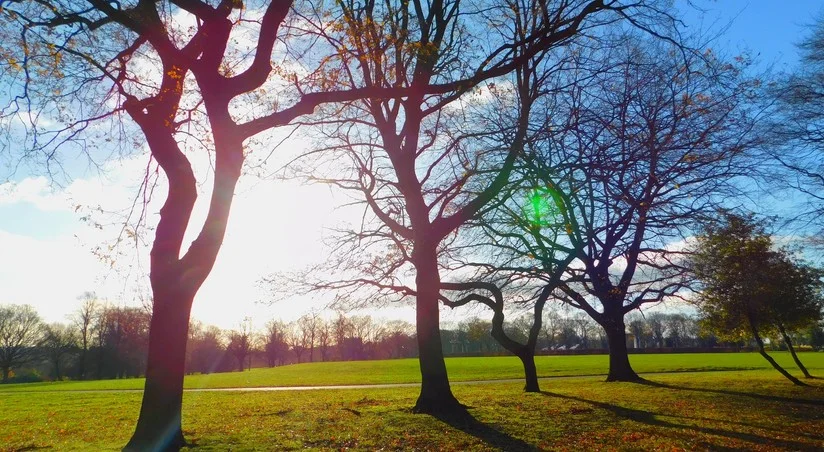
<point>460,369</point>
<point>749,410</point>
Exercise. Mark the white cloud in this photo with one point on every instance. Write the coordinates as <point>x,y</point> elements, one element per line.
<point>274,226</point>
<point>36,191</point>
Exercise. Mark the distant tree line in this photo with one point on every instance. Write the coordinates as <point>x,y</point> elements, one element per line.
<point>310,338</point>
<point>101,341</point>
<point>656,331</point>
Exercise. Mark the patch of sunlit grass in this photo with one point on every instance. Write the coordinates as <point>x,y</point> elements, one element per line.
<point>460,369</point>
<point>752,410</point>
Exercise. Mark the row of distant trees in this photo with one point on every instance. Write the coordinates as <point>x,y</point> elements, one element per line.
<point>102,341</point>
<point>657,330</point>
<point>99,341</point>
<point>308,339</point>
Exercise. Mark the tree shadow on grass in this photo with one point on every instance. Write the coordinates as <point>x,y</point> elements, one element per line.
<point>753,395</point>
<point>649,418</point>
<point>464,421</point>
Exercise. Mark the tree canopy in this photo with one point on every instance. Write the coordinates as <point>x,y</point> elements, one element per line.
<point>748,289</point>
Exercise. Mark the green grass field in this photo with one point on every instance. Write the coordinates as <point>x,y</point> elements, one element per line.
<point>460,369</point>
<point>745,410</point>
<point>704,401</point>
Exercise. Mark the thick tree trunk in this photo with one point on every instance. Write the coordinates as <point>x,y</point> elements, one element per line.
<point>159,425</point>
<point>436,395</point>
<point>6,371</point>
<point>527,358</point>
<point>790,347</point>
<point>769,358</point>
<point>619,367</point>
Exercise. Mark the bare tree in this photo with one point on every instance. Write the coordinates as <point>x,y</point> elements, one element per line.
<point>400,339</point>
<point>324,339</point>
<point>643,148</point>
<point>83,319</point>
<point>180,85</point>
<point>122,341</point>
<point>20,332</point>
<point>207,351</point>
<point>413,161</point>
<point>796,127</point>
<point>341,329</point>
<point>295,339</point>
<point>308,327</point>
<point>657,327</point>
<point>525,351</point>
<point>275,345</point>
<point>240,343</point>
<point>58,344</point>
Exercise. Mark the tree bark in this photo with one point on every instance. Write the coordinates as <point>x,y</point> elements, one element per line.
<point>524,352</point>
<point>769,358</point>
<point>530,371</point>
<point>790,347</point>
<point>436,395</point>
<point>159,425</point>
<point>619,366</point>
<point>6,371</point>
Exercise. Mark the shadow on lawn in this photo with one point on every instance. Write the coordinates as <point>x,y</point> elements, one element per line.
<point>766,397</point>
<point>465,422</point>
<point>649,418</point>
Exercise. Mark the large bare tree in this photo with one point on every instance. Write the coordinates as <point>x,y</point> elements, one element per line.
<point>648,146</point>
<point>797,128</point>
<point>424,165</point>
<point>174,68</point>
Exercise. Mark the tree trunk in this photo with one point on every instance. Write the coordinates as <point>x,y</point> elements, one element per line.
<point>790,347</point>
<point>159,425</point>
<point>436,395</point>
<point>619,367</point>
<point>527,358</point>
<point>524,352</point>
<point>769,358</point>
<point>6,371</point>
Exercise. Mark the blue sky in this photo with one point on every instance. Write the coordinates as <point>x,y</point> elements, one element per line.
<point>768,29</point>
<point>46,248</point>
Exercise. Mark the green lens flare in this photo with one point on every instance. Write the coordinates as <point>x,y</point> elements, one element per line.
<point>541,211</point>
